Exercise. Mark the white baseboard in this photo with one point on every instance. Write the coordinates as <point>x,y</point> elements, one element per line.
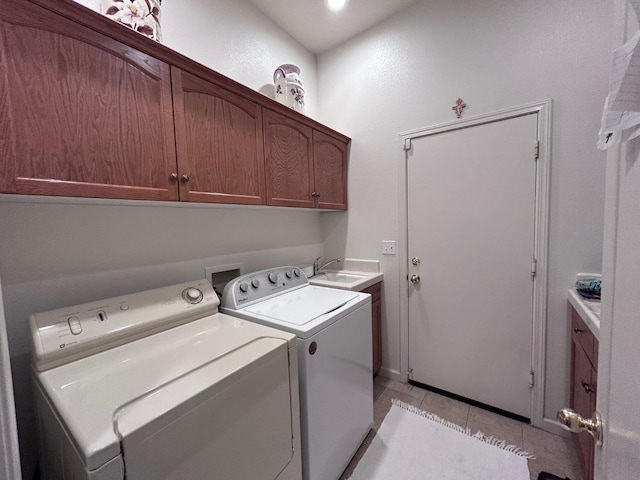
<point>391,374</point>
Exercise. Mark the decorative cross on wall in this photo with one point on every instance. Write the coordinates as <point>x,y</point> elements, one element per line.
<point>458,107</point>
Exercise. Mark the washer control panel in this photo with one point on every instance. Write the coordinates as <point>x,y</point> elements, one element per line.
<point>253,287</point>
<point>66,334</point>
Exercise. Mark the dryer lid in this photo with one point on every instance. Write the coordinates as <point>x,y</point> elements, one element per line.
<point>301,306</point>
<point>237,429</point>
<point>90,394</point>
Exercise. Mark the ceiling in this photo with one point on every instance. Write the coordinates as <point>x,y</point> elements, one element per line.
<point>318,29</point>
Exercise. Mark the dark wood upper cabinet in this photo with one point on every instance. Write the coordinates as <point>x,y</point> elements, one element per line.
<point>89,108</point>
<point>82,114</point>
<point>218,142</point>
<point>288,147</point>
<point>304,167</point>
<point>330,167</point>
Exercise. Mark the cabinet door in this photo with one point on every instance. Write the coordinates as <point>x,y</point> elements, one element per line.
<point>583,401</point>
<point>330,163</point>
<point>82,114</point>
<point>288,147</point>
<point>219,143</point>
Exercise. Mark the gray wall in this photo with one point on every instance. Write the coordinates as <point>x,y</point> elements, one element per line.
<point>57,254</point>
<point>407,73</point>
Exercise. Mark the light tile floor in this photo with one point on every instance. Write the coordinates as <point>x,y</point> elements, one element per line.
<point>554,454</point>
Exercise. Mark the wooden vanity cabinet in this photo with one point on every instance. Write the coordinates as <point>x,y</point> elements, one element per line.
<point>304,166</point>
<point>376,324</point>
<point>584,376</point>
<point>218,142</point>
<point>82,114</point>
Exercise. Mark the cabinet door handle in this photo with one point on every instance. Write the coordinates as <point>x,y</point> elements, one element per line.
<point>587,387</point>
<point>315,194</point>
<point>184,178</point>
<point>173,177</point>
<point>578,330</point>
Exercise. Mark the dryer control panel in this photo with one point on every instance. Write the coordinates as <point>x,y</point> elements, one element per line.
<point>252,287</point>
<point>66,334</point>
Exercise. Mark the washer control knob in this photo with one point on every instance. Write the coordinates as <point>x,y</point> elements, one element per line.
<point>255,283</point>
<point>273,277</point>
<point>289,274</point>
<point>192,295</point>
<point>244,287</point>
<point>296,273</point>
<point>74,325</point>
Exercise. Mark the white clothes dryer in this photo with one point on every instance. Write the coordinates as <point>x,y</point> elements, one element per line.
<point>334,354</point>
<point>159,385</point>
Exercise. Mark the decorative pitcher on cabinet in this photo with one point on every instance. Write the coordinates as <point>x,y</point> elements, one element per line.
<point>289,88</point>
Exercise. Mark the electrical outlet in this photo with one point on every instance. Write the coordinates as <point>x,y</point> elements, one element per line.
<point>388,247</point>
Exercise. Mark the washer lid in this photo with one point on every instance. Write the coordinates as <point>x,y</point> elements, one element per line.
<point>91,393</point>
<point>301,306</point>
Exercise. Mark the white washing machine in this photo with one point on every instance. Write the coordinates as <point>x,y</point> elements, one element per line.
<point>334,354</point>
<point>159,385</point>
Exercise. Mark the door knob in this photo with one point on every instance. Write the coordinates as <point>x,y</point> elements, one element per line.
<point>573,421</point>
<point>415,261</point>
<point>415,278</point>
<point>184,178</point>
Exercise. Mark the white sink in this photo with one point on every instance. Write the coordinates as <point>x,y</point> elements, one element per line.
<point>339,277</point>
<point>346,280</point>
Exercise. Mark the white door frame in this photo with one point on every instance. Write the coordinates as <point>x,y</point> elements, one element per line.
<point>10,454</point>
<point>543,109</point>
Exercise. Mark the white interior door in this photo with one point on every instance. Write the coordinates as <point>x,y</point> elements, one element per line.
<point>618,355</point>
<point>471,217</point>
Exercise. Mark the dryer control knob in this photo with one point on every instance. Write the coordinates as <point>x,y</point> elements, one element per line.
<point>244,287</point>
<point>192,295</point>
<point>289,274</point>
<point>273,277</point>
<point>255,283</point>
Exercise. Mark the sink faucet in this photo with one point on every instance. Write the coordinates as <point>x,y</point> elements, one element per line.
<point>317,267</point>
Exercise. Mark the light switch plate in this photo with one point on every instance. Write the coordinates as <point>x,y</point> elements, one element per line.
<point>388,247</point>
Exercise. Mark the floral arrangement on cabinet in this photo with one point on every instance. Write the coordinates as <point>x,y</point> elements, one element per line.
<point>143,16</point>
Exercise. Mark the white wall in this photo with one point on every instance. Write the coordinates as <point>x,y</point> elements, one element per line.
<point>235,39</point>
<point>52,255</point>
<point>57,254</point>
<point>494,54</point>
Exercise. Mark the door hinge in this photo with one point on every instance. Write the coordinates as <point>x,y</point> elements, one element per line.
<point>534,267</point>
<point>407,144</point>
<point>536,150</point>
<point>531,378</point>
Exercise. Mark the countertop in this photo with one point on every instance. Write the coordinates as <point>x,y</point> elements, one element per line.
<point>589,311</point>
